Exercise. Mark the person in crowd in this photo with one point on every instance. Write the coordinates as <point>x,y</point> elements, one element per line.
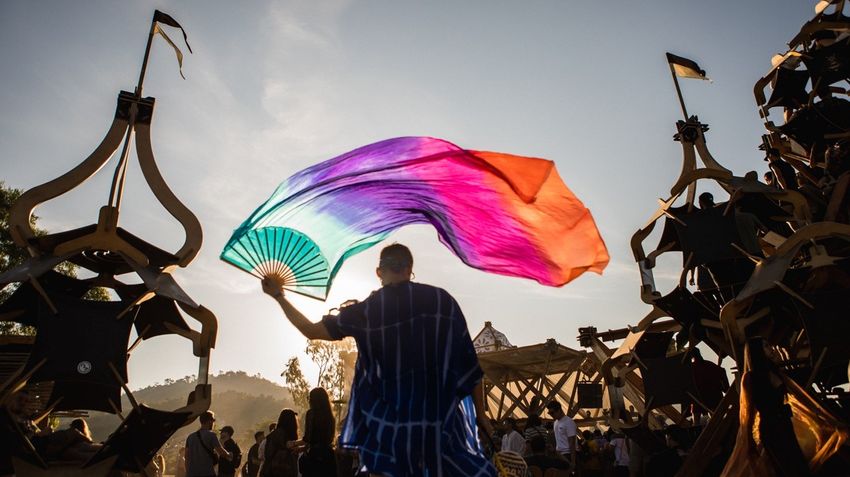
<point>415,369</point>
<point>711,382</point>
<point>228,465</point>
<point>539,459</point>
<point>512,440</point>
<point>770,179</point>
<point>72,444</point>
<point>252,464</point>
<point>203,449</point>
<point>261,451</point>
<point>534,428</point>
<point>706,201</point>
<point>565,431</point>
<point>319,427</point>
<point>282,447</point>
<point>620,447</point>
<point>592,466</point>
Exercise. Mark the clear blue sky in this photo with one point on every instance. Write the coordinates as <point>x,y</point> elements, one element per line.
<point>276,86</point>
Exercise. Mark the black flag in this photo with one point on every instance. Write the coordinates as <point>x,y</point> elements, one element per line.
<point>685,68</point>
<point>166,19</point>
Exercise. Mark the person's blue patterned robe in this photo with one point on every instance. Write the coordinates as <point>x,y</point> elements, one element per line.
<point>410,412</point>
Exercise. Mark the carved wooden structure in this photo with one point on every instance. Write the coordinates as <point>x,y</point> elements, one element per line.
<point>770,275</point>
<point>156,306</point>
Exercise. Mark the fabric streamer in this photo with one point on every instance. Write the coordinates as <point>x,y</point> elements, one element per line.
<point>500,213</point>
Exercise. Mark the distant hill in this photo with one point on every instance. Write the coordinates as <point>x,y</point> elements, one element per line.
<point>248,403</point>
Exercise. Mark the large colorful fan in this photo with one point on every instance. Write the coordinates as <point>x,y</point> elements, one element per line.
<point>501,213</point>
<point>283,254</point>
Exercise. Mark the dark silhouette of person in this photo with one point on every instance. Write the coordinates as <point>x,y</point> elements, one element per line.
<point>416,377</point>
<point>319,430</point>
<point>539,459</point>
<point>252,464</point>
<point>227,466</point>
<point>282,447</point>
<point>706,200</point>
<point>72,444</point>
<point>710,382</point>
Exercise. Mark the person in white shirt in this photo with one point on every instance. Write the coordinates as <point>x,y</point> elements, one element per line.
<point>513,440</point>
<point>565,432</point>
<point>620,446</point>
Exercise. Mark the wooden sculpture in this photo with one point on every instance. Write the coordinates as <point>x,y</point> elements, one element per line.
<point>769,273</point>
<point>109,251</point>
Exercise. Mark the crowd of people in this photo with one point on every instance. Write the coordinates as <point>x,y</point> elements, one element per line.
<point>559,445</point>
<point>283,452</point>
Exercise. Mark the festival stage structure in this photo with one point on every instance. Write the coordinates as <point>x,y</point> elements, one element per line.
<point>78,358</point>
<point>765,282</point>
<point>519,381</point>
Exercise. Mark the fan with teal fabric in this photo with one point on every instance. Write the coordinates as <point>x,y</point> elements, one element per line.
<point>282,254</point>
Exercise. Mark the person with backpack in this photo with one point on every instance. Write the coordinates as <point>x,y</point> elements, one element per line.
<point>203,449</point>
<point>282,447</point>
<point>227,467</point>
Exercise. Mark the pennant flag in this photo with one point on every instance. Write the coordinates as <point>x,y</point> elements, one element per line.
<point>164,18</point>
<point>167,19</point>
<point>685,68</point>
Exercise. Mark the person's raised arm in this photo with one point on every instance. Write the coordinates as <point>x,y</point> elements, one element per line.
<point>310,330</point>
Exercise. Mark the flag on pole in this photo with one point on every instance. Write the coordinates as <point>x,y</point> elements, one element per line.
<point>685,68</point>
<point>164,18</point>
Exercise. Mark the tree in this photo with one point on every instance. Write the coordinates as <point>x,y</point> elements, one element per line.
<point>11,255</point>
<point>295,382</point>
<point>325,355</point>
<point>335,360</point>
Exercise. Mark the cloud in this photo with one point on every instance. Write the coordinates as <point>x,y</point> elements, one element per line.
<point>297,103</point>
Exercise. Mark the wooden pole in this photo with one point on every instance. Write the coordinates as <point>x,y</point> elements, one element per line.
<point>145,60</point>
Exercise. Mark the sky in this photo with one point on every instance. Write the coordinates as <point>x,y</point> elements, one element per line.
<point>276,86</point>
